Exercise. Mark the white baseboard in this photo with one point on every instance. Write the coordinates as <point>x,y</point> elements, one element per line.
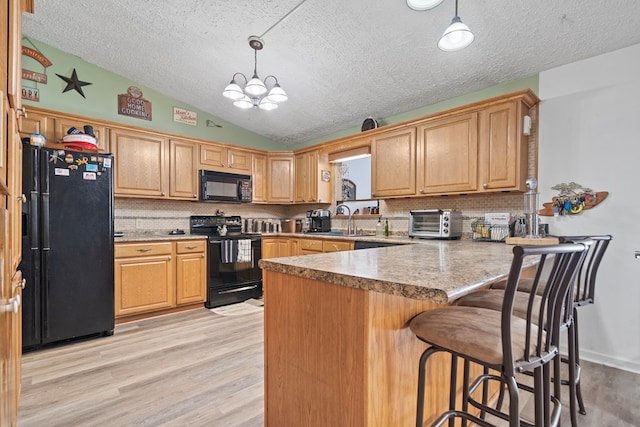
<point>603,359</point>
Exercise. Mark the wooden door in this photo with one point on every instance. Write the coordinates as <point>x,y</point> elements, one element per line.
<point>140,164</point>
<point>301,179</point>
<point>270,248</point>
<point>280,182</point>
<point>15,199</point>
<point>294,247</point>
<point>393,163</point>
<point>183,177</point>
<point>191,272</point>
<point>448,155</point>
<point>239,161</point>
<point>259,178</point>
<point>503,148</point>
<point>213,157</point>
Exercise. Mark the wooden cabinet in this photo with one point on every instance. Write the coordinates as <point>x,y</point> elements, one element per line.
<point>275,247</point>
<point>35,122</point>
<point>259,177</point>
<point>280,170</point>
<point>294,246</point>
<point>144,277</point>
<point>393,163</point>
<point>336,245</point>
<point>310,246</point>
<point>151,277</point>
<point>191,271</point>
<point>183,177</point>
<point>225,159</point>
<point>448,155</point>
<point>310,187</point>
<point>15,199</point>
<point>503,147</point>
<point>62,125</point>
<point>140,164</point>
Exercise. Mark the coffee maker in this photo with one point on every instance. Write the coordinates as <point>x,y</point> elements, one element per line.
<point>319,220</point>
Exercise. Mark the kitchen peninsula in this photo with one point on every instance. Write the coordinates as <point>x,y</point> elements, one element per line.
<point>337,347</point>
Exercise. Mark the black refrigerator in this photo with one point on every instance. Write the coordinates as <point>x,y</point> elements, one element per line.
<point>67,246</point>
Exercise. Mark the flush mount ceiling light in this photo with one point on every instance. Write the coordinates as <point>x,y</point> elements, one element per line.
<point>423,4</point>
<point>255,94</point>
<point>457,35</point>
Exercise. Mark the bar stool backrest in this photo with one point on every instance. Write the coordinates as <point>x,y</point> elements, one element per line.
<point>585,286</point>
<point>542,330</point>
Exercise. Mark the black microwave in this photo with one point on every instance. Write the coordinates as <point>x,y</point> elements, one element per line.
<point>225,187</point>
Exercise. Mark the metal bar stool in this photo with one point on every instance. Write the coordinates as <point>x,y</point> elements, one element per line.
<point>584,294</point>
<point>503,342</point>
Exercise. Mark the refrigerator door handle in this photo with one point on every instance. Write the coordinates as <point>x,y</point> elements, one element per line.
<point>45,294</point>
<point>33,212</point>
<point>45,221</point>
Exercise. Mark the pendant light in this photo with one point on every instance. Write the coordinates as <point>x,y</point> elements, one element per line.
<point>255,93</point>
<point>423,4</point>
<point>457,36</point>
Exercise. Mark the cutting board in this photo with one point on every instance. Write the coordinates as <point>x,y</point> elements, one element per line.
<point>524,241</point>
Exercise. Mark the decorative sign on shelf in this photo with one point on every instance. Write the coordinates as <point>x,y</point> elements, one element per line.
<point>133,104</point>
<point>32,93</point>
<point>572,199</point>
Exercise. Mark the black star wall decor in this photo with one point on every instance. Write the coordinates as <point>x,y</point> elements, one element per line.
<point>74,83</point>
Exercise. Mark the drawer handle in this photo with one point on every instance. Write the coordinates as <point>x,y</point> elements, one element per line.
<point>144,250</point>
<point>191,247</point>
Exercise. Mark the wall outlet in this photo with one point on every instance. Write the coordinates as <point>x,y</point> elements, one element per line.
<point>139,223</point>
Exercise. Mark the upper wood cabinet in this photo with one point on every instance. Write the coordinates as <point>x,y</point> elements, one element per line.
<point>259,177</point>
<point>393,163</point>
<point>140,164</point>
<point>280,169</point>
<point>35,122</point>
<point>310,187</point>
<point>448,155</point>
<point>183,177</point>
<point>63,124</point>
<point>225,159</point>
<point>503,151</point>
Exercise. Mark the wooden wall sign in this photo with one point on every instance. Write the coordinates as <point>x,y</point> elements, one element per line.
<point>133,104</point>
<point>180,115</point>
<point>32,53</point>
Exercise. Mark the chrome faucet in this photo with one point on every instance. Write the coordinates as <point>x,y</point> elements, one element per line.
<point>349,218</point>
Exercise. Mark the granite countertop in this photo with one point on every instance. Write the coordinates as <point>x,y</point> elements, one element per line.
<point>398,239</point>
<point>437,271</point>
<point>147,236</point>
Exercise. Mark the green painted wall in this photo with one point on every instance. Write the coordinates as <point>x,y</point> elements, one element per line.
<point>102,102</point>
<point>530,82</point>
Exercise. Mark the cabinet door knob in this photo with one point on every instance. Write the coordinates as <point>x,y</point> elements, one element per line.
<point>202,255</point>
<point>22,198</point>
<point>422,190</point>
<point>162,194</point>
<point>485,185</point>
<point>21,112</point>
<point>195,196</point>
<point>13,306</point>
<point>168,258</point>
<point>21,284</point>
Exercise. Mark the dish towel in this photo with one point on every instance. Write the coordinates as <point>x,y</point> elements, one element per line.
<point>229,252</point>
<point>244,250</point>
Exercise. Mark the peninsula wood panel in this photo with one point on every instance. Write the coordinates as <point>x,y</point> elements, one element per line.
<point>448,155</point>
<point>341,356</point>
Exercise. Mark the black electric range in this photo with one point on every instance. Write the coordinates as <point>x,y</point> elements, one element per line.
<point>233,274</point>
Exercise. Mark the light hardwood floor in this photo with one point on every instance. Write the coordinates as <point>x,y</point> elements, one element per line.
<point>201,369</point>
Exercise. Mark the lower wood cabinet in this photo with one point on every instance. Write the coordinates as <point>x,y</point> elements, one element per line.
<point>273,247</point>
<point>155,276</point>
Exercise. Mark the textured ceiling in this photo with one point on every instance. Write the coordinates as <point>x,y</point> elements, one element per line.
<point>338,60</point>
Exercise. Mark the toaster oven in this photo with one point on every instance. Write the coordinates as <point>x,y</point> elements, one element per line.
<point>435,224</point>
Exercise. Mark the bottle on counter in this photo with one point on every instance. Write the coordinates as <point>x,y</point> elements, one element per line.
<point>379,228</point>
<point>386,227</point>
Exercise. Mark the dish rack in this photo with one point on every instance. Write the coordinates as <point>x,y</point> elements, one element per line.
<point>485,232</point>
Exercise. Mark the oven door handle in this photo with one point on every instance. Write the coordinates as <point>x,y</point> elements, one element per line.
<point>242,289</point>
